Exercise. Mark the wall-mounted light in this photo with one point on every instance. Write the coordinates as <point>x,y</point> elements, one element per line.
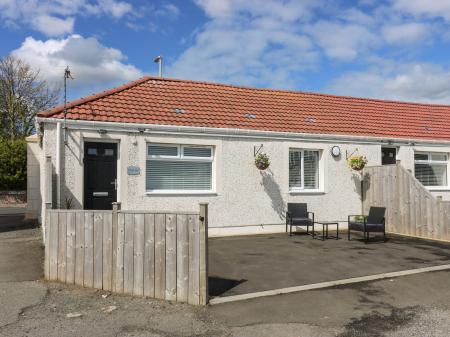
<point>335,151</point>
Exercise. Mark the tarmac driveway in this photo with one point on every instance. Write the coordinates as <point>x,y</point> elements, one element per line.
<point>21,249</point>
<point>247,264</point>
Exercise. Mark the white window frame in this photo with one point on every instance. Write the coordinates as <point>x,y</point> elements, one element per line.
<point>431,162</point>
<point>302,189</point>
<point>180,157</point>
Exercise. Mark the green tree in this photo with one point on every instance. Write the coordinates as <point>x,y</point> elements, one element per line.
<point>22,95</point>
<point>13,164</point>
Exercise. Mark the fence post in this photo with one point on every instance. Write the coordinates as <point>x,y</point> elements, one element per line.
<point>115,220</point>
<point>398,197</point>
<point>203,232</point>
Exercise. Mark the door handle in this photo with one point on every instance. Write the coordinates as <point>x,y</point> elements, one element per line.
<point>114,183</point>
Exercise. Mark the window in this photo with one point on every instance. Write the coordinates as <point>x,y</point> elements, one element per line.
<point>109,152</point>
<point>303,170</point>
<point>431,168</point>
<point>172,168</point>
<point>92,151</point>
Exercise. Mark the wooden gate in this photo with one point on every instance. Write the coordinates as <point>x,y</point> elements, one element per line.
<point>411,208</point>
<point>160,255</point>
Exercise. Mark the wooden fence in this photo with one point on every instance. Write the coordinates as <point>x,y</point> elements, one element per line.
<point>411,208</point>
<point>160,255</point>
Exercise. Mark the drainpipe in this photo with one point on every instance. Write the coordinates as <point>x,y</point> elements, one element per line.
<point>362,191</point>
<point>58,165</point>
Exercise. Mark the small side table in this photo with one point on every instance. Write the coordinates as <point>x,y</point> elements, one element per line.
<point>325,225</point>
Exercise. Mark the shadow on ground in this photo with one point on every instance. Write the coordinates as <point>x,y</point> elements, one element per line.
<point>218,285</point>
<point>13,222</point>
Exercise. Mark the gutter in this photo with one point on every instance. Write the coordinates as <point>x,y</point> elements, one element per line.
<point>235,133</point>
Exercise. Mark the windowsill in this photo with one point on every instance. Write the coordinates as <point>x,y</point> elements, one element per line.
<point>437,188</point>
<point>303,192</point>
<point>182,193</point>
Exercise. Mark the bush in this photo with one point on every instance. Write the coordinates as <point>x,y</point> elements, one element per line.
<point>13,164</point>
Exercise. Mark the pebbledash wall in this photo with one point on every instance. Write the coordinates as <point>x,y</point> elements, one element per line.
<point>34,199</point>
<point>245,199</point>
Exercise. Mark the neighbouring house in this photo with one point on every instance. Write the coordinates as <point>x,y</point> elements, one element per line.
<point>164,144</point>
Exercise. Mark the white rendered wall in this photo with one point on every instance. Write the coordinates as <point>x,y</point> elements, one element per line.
<point>245,200</point>
<point>34,200</point>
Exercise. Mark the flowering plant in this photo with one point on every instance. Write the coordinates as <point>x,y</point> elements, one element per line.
<point>262,161</point>
<point>357,163</point>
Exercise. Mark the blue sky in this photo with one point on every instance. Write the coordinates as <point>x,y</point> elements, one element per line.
<point>393,49</point>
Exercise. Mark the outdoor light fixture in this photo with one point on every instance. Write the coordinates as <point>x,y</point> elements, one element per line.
<point>335,151</point>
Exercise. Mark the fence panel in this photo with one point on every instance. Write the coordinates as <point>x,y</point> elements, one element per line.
<point>137,253</point>
<point>411,208</point>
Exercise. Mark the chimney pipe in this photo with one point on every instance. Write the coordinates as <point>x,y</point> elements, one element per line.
<point>159,60</point>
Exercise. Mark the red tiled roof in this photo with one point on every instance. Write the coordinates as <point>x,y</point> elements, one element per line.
<point>152,100</point>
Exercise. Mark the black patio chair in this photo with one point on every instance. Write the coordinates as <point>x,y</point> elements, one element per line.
<point>373,223</point>
<point>298,215</point>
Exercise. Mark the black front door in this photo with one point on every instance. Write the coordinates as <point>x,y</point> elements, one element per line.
<point>388,155</point>
<point>100,175</point>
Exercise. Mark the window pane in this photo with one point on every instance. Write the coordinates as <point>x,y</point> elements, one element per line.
<point>420,156</point>
<point>431,175</point>
<point>92,151</point>
<point>311,169</point>
<point>178,175</point>
<point>109,152</point>
<point>197,152</point>
<point>295,169</point>
<point>438,156</point>
<point>161,150</point>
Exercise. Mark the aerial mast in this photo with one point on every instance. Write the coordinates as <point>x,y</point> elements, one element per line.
<point>67,75</point>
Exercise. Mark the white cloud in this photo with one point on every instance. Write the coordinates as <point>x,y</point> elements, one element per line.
<point>405,33</point>
<point>114,8</point>
<point>168,10</point>
<point>343,41</point>
<point>216,8</point>
<point>53,26</point>
<point>283,10</point>
<point>419,82</point>
<point>250,43</point>
<point>354,15</point>
<point>91,62</point>
<point>424,8</point>
<point>57,17</point>
<point>276,43</point>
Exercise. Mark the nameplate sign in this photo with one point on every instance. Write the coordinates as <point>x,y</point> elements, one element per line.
<point>133,170</point>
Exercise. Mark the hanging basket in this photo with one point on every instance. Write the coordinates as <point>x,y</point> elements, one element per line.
<point>262,161</point>
<point>357,163</point>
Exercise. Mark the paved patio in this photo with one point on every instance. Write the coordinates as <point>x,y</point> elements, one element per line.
<point>247,264</point>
